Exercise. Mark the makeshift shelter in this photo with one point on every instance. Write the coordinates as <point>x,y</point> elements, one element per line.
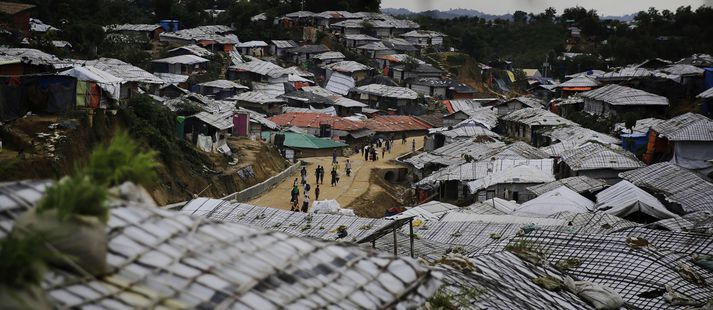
<point>527,122</point>
<point>687,140</point>
<point>684,191</point>
<point>303,145</point>
<point>616,99</point>
<point>106,81</point>
<point>624,199</point>
<point>53,94</point>
<point>597,161</point>
<point>558,200</point>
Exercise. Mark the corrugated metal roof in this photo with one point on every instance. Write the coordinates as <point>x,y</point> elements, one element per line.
<point>374,46</point>
<point>260,67</point>
<point>642,126</point>
<point>579,135</point>
<point>222,121</point>
<point>123,70</point>
<point>37,25</point>
<point>686,127</point>
<point>475,130</point>
<point>329,56</point>
<point>309,49</point>
<point>284,43</point>
<point>340,83</point>
<point>624,198</point>
<point>525,100</point>
<point>182,59</point>
<point>625,74</point>
<point>401,58</point>
<point>36,57</point>
<point>193,49</point>
<point>257,97</point>
<point>207,32</point>
<point>677,184</point>
<point>580,81</point>
<point>481,169</point>
<point>314,120</point>
<point>360,37</point>
<point>300,14</point>
<point>423,34</point>
<point>517,174</point>
<point>561,199</point>
<point>488,117</point>
<point>252,44</point>
<point>348,66</point>
<point>163,259</point>
<point>270,89</point>
<point>616,262</point>
<point>451,154</point>
<point>399,44</point>
<point>396,123</point>
<point>621,95</point>
<point>305,141</point>
<point>683,70</point>
<point>224,84</point>
<point>579,184</point>
<point>593,156</point>
<point>537,117</point>
<point>328,111</point>
<point>131,27</point>
<point>706,94</point>
<point>387,91</point>
<point>171,78</point>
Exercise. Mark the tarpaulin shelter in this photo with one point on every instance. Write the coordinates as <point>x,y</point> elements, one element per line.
<point>106,81</point>
<point>38,94</point>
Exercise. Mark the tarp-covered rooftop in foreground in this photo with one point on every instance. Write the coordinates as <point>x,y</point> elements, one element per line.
<point>166,259</point>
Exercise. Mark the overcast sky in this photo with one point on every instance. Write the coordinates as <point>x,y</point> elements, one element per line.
<point>604,7</point>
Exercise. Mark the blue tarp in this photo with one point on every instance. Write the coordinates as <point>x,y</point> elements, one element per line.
<point>708,78</point>
<point>635,143</point>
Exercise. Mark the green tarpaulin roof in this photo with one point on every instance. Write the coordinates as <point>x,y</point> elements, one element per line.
<point>305,141</point>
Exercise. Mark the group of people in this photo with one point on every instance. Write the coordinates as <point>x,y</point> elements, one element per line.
<point>319,179</point>
<point>370,151</point>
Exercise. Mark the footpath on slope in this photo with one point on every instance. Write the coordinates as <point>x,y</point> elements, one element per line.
<point>348,190</point>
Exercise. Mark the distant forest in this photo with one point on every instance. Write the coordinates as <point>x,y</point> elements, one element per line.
<point>526,39</point>
<point>529,39</point>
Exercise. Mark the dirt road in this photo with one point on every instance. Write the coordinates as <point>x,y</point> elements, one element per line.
<point>348,188</point>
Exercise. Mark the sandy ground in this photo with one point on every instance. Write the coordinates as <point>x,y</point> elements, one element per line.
<point>348,188</point>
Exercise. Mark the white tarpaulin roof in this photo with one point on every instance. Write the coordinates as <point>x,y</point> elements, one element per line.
<point>506,206</point>
<point>562,199</point>
<point>109,83</point>
<point>625,198</point>
<point>515,174</point>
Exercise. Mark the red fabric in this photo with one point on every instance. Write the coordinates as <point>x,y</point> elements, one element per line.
<point>94,95</point>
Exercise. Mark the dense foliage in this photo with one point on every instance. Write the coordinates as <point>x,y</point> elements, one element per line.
<point>531,39</point>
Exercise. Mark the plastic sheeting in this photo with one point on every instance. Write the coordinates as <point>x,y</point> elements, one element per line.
<point>693,155</point>
<point>205,143</point>
<point>561,199</point>
<point>625,198</point>
<point>109,83</point>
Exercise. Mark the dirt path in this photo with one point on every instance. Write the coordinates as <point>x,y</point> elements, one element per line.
<point>348,189</point>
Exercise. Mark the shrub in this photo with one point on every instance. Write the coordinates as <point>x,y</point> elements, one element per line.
<point>121,161</point>
<point>21,261</point>
<point>76,195</point>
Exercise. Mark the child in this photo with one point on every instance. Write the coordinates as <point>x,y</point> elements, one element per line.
<point>316,193</point>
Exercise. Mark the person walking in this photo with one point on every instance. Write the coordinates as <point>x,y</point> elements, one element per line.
<point>334,177</point>
<point>334,156</point>
<point>305,203</point>
<point>316,174</point>
<point>366,153</point>
<point>303,174</point>
<point>321,174</point>
<point>348,167</point>
<point>316,193</point>
<point>413,145</point>
<point>383,151</point>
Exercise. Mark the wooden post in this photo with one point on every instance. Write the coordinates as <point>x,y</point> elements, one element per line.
<point>395,245</point>
<point>410,228</point>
